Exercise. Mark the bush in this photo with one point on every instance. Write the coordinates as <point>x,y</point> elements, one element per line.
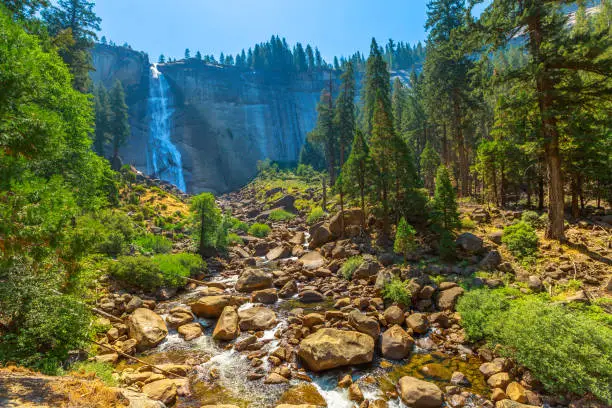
<point>152,243</point>
<point>467,223</point>
<point>156,272</point>
<point>404,238</point>
<point>315,215</point>
<point>280,215</point>
<point>397,292</point>
<point>521,240</point>
<point>349,266</point>
<point>234,239</point>
<point>259,230</point>
<point>238,226</point>
<point>565,349</point>
<point>534,220</point>
<point>103,371</point>
<point>108,232</point>
<point>447,246</point>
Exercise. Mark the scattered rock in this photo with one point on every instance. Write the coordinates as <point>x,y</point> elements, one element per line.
<point>147,328</point>
<point>227,325</point>
<point>448,298</point>
<point>257,318</point>
<point>265,296</point>
<point>364,324</point>
<point>210,306</point>
<point>419,394</point>
<point>396,344</point>
<point>516,392</point>
<point>418,323</point>
<point>190,331</point>
<point>331,348</point>
<point>469,242</point>
<point>161,390</point>
<point>253,279</point>
<point>491,261</point>
<point>312,260</point>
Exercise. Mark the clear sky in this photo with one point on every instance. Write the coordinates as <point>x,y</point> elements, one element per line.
<point>337,27</point>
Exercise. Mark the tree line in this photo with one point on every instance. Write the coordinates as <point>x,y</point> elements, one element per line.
<point>513,102</point>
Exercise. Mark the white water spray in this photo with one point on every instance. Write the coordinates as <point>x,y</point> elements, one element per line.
<point>163,158</point>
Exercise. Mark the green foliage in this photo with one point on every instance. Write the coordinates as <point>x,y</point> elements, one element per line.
<point>565,349</point>
<point>315,215</point>
<point>102,371</point>
<point>397,292</point>
<point>259,230</point>
<point>534,220</point>
<point>445,213</point>
<point>447,247</point>
<point>151,243</point>
<point>159,271</point>
<point>280,215</point>
<point>467,223</point>
<point>209,226</point>
<point>350,266</point>
<point>108,232</point>
<point>238,226</point>
<point>234,239</point>
<point>404,238</point>
<point>521,240</point>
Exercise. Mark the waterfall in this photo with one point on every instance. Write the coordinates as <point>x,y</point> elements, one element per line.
<point>163,158</point>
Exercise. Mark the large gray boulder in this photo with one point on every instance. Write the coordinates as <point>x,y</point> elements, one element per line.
<point>469,242</point>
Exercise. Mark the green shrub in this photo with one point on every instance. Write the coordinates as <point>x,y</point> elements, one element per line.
<point>397,292</point>
<point>467,223</point>
<point>152,273</point>
<point>350,266</point>
<point>447,246</point>
<point>521,240</point>
<point>103,371</point>
<point>233,238</point>
<point>536,221</point>
<point>315,215</point>
<point>404,238</point>
<point>259,230</point>
<point>565,349</point>
<point>238,226</point>
<point>280,215</point>
<point>107,232</point>
<point>208,224</point>
<point>152,243</point>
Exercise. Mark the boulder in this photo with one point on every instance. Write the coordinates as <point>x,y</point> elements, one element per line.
<point>469,242</point>
<point>516,392</point>
<point>331,348</point>
<point>499,380</point>
<point>265,296</point>
<point>496,237</point>
<point>312,260</point>
<point>227,325</point>
<point>147,328</point>
<point>394,315</point>
<point>190,331</point>
<point>365,270</point>
<point>311,296</point>
<point>139,400</point>
<point>352,217</point>
<point>161,390</point>
<point>535,284</point>
<point>256,318</point>
<point>396,343</point>
<point>286,203</point>
<point>383,277</point>
<point>506,403</point>
<point>278,253</point>
<point>319,235</point>
<point>210,306</point>
<point>491,261</point>
<point>253,279</point>
<point>288,290</point>
<point>418,323</point>
<point>364,324</point>
<point>303,393</point>
<point>420,394</point>
<point>448,298</point>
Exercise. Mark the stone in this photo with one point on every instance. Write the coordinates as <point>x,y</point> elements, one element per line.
<point>491,261</point>
<point>179,318</point>
<point>492,367</point>
<point>419,394</point>
<point>506,403</point>
<point>311,296</point>
<point>278,253</point>
<point>161,390</point>
<point>274,378</point>
<point>330,348</point>
<point>227,325</point>
<point>210,306</point>
<point>516,392</point>
<point>534,283</point>
<point>288,290</point>
<point>364,324</point>
<point>303,393</point>
<point>147,328</point>
<point>190,331</point>
<point>312,260</point>
<point>265,296</point>
<point>498,394</point>
<point>418,323</point>
<point>133,304</point>
<point>354,393</point>
<point>319,235</point>
<point>396,344</point>
<point>458,378</point>
<point>139,400</point>
<point>394,315</point>
<point>496,237</point>
<point>366,270</point>
<point>499,380</point>
<point>469,242</point>
<point>286,203</point>
<point>252,280</point>
<point>313,319</point>
<point>352,217</point>
<point>448,298</point>
<point>256,318</point>
<point>383,277</point>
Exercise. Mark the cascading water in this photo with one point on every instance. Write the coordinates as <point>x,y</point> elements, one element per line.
<point>163,158</point>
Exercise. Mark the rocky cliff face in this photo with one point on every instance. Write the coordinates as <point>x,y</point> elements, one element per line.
<point>224,120</point>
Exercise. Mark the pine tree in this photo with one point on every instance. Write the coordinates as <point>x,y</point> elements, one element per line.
<point>344,115</point>
<point>119,126</point>
<point>324,133</point>
<point>76,23</point>
<point>430,161</point>
<point>405,242</point>
<point>187,53</point>
<point>445,209</point>
<point>102,117</point>
<point>310,57</point>
<point>162,59</point>
<point>198,55</point>
<point>357,171</point>
<point>377,87</point>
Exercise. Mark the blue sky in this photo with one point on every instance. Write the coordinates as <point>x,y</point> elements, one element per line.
<point>337,27</point>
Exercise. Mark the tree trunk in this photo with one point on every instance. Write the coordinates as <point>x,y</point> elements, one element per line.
<point>575,208</point>
<point>541,193</point>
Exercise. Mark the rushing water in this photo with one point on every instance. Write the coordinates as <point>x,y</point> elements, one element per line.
<point>163,158</point>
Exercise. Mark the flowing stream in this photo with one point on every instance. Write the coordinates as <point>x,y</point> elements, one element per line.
<point>163,158</point>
